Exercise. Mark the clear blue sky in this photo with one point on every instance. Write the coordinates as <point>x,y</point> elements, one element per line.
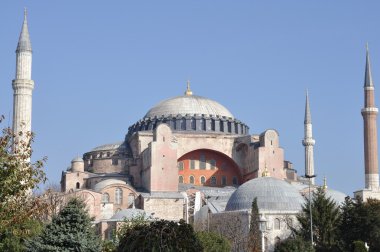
<point>99,66</point>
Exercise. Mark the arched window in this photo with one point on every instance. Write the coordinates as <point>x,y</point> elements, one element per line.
<point>203,180</point>
<point>277,224</point>
<point>118,196</point>
<point>213,180</point>
<point>224,180</point>
<point>202,162</point>
<point>78,185</point>
<point>212,164</point>
<point>180,179</point>
<point>191,179</point>
<point>213,125</point>
<point>221,126</point>
<point>203,124</point>
<point>234,180</point>
<point>105,198</point>
<point>183,124</point>
<point>131,200</point>
<point>192,164</point>
<point>277,240</point>
<point>180,165</point>
<point>193,126</point>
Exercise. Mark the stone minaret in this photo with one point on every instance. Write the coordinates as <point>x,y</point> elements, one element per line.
<point>308,141</point>
<point>369,113</point>
<point>23,84</point>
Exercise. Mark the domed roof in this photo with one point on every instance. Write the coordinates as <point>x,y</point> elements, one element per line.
<point>111,146</point>
<point>188,104</point>
<point>102,184</point>
<point>77,159</point>
<point>272,195</point>
<point>335,195</point>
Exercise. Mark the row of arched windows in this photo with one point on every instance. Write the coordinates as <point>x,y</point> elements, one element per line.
<point>278,226</point>
<point>213,180</point>
<point>118,197</point>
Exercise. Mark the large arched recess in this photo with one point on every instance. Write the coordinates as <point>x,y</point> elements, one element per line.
<point>219,169</point>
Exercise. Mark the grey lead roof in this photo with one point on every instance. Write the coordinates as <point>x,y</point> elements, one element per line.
<point>368,76</point>
<point>24,43</point>
<point>188,104</point>
<point>272,195</point>
<point>307,110</point>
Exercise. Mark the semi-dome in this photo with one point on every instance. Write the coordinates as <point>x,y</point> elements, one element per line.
<point>272,195</point>
<point>188,105</point>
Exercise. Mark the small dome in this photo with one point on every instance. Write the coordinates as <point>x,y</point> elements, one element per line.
<point>188,104</point>
<point>102,184</point>
<point>335,195</point>
<point>130,213</point>
<point>272,195</point>
<point>112,146</point>
<point>77,159</point>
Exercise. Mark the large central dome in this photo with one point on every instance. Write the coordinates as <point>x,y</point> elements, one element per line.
<point>189,105</point>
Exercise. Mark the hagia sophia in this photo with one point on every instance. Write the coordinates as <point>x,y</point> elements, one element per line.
<point>189,158</point>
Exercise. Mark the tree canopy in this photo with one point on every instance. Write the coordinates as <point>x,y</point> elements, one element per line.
<point>70,230</point>
<point>18,177</point>
<point>159,235</point>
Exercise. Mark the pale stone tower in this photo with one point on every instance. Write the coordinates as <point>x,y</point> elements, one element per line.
<point>23,84</point>
<point>308,141</point>
<point>369,113</point>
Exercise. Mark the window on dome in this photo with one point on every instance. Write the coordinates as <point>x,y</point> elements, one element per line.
<point>105,198</point>
<point>180,165</point>
<point>277,224</point>
<point>236,128</point>
<point>193,126</point>
<point>213,125</point>
<point>224,180</point>
<point>203,124</point>
<point>183,124</point>
<point>203,180</point>
<point>229,126</point>
<point>191,179</point>
<point>213,180</point>
<point>180,179</point>
<point>221,126</point>
<point>118,196</point>
<point>202,162</point>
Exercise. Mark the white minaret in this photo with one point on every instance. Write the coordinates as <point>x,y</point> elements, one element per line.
<point>308,141</point>
<point>23,84</point>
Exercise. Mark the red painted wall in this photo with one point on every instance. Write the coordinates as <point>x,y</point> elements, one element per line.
<point>224,167</point>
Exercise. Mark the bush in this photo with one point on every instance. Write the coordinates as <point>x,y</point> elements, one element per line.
<point>213,242</point>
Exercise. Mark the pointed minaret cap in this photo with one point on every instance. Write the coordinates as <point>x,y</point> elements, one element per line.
<point>368,76</point>
<point>307,109</point>
<point>188,90</point>
<point>24,39</point>
<point>324,187</point>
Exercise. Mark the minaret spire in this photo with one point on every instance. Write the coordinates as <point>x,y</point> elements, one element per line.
<point>369,113</point>
<point>23,84</point>
<point>188,90</point>
<point>24,39</point>
<point>308,141</point>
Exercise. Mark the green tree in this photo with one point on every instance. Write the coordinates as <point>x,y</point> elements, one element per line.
<point>159,235</point>
<point>254,228</point>
<point>213,242</point>
<point>70,230</point>
<point>326,219</point>
<point>18,177</point>
<point>296,244</point>
<point>360,221</point>
<point>359,246</point>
